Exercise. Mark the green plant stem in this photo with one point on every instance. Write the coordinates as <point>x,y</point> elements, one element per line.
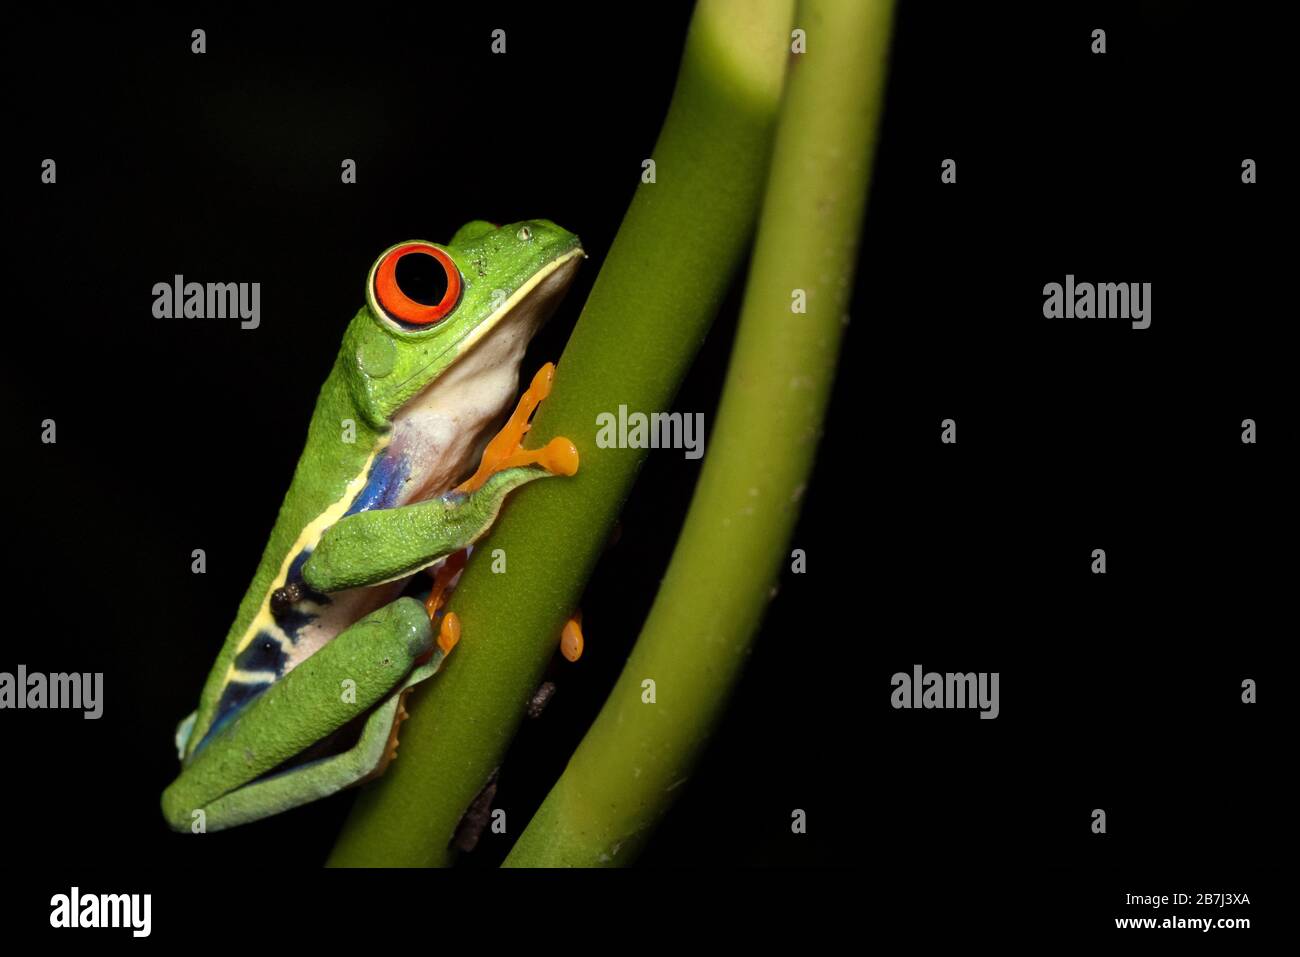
<point>679,245</point>
<point>630,765</point>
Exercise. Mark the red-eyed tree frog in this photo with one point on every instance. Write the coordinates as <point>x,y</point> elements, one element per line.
<point>307,693</point>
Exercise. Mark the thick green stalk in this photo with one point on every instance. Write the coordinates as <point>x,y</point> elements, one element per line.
<point>662,282</point>
<point>625,773</point>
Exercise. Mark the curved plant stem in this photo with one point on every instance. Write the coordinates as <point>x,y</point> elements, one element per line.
<point>665,275</point>
<point>625,773</point>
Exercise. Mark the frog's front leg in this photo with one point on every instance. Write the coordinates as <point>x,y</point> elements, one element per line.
<point>383,545</point>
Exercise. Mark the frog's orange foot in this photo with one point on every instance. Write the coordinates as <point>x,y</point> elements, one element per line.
<point>571,642</point>
<point>390,749</point>
<point>505,451</point>
<point>449,632</point>
<point>449,628</point>
<point>443,575</point>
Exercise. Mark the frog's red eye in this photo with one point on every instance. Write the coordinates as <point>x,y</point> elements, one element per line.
<point>417,283</point>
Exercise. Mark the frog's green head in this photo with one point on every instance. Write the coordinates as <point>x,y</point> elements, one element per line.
<point>428,304</point>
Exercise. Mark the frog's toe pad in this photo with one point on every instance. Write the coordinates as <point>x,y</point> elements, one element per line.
<point>449,632</point>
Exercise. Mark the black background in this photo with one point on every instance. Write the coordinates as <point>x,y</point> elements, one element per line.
<point>1120,692</point>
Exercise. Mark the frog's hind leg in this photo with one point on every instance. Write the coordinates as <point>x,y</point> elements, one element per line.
<point>255,766</point>
<point>374,750</point>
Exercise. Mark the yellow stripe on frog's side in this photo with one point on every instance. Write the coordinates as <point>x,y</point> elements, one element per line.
<point>307,538</point>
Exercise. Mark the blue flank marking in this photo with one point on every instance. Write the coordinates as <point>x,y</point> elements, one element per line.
<point>264,653</point>
<point>387,474</point>
<point>234,698</point>
<point>291,621</point>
